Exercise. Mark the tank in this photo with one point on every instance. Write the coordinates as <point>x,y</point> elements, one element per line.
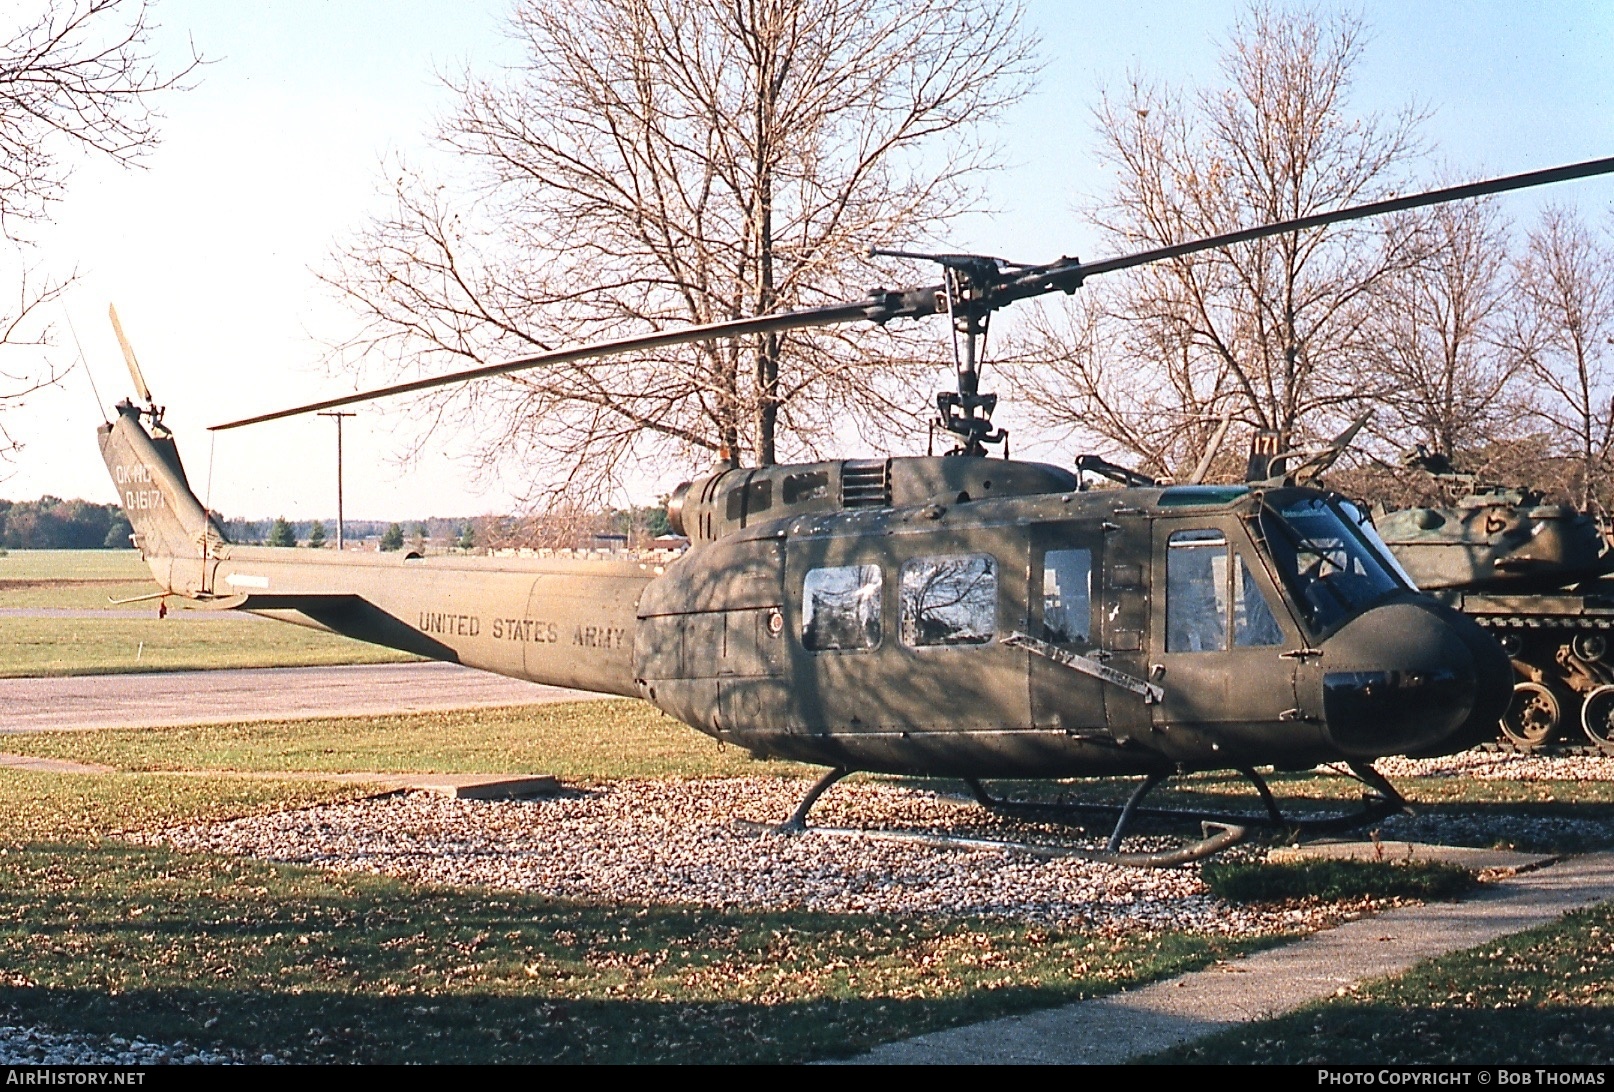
<point>1536,575</point>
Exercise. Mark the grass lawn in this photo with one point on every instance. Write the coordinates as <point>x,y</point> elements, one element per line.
<point>99,935</point>
<point>310,966</point>
<point>77,579</point>
<point>46,566</point>
<point>589,740</point>
<point>32,647</point>
<point>88,579</point>
<point>87,808</point>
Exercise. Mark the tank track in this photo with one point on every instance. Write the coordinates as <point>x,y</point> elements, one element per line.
<point>1561,661</point>
<point>1569,621</point>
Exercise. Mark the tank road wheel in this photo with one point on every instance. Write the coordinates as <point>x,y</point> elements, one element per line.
<point>1597,718</point>
<point>1591,647</point>
<point>1532,717</point>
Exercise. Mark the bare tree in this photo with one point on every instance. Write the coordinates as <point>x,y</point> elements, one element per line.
<point>1273,331</point>
<point>76,80</point>
<point>1565,285</point>
<point>664,162</point>
<point>1438,345</point>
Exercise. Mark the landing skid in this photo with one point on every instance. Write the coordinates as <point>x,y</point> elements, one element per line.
<point>1379,803</point>
<point>1220,829</point>
<point>1218,836</point>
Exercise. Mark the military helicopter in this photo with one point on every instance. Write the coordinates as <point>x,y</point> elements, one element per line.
<point>952,616</point>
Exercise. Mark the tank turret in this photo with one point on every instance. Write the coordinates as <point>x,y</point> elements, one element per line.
<point>1537,576</point>
<point>1499,539</point>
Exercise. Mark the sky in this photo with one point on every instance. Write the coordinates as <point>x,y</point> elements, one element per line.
<point>211,250</point>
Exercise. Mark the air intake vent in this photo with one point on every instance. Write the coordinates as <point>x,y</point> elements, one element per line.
<point>866,483</point>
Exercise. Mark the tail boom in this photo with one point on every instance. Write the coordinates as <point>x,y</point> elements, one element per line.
<point>561,622</point>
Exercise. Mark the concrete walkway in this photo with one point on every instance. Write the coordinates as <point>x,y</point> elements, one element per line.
<point>1267,984</point>
<point>169,698</point>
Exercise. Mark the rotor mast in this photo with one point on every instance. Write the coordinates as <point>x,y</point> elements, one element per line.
<point>967,298</point>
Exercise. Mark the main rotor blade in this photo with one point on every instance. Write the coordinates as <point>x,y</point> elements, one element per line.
<point>1469,190</point>
<point>788,320</point>
<point>881,306</point>
<point>128,356</point>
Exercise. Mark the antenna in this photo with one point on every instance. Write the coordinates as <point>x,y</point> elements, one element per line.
<point>99,405</point>
<point>1211,448</point>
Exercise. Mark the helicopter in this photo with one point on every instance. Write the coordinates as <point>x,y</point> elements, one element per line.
<point>956,616</point>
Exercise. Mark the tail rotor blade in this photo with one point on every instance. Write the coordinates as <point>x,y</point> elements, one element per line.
<point>129,356</point>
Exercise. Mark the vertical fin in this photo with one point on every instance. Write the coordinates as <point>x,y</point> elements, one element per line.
<point>172,530</point>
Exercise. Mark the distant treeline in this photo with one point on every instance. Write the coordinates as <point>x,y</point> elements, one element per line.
<point>437,529</point>
<point>51,523</point>
<point>559,528</point>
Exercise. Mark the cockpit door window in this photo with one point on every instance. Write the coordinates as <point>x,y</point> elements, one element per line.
<point>1254,624</point>
<point>1196,591</point>
<point>1211,593</point>
<point>1067,596</point>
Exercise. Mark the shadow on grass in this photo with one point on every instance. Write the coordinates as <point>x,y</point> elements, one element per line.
<point>234,953</point>
<point>480,1028</point>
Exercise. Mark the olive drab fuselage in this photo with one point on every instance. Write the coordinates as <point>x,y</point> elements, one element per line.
<point>727,642</point>
<point>948,616</point>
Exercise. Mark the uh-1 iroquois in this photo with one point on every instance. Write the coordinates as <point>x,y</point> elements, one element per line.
<point>956,616</point>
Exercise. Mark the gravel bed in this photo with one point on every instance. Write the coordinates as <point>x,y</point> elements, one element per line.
<point>688,842</point>
<point>39,1046</point>
<point>1485,825</point>
<point>1489,766</point>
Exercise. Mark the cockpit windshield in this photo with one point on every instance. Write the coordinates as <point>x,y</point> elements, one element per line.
<point>1330,566</point>
<point>1360,520</point>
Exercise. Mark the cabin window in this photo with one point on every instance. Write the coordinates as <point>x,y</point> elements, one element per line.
<point>840,608</point>
<point>1209,594</point>
<point>1067,596</point>
<point>1196,591</point>
<point>1253,622</point>
<point>949,600</point>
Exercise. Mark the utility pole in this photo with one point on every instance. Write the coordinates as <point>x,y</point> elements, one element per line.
<point>338,417</point>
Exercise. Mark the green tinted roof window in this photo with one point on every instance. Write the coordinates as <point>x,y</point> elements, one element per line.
<point>1190,496</point>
